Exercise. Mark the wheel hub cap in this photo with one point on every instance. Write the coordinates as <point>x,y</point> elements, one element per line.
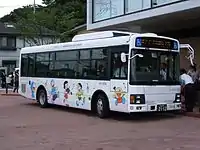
<point>99,106</point>
<point>42,99</point>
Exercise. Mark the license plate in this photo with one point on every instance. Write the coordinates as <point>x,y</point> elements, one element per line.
<point>162,107</point>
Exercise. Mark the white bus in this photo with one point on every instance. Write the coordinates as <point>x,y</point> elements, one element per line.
<point>103,72</point>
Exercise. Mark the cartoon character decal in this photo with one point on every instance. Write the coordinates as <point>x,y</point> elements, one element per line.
<point>54,94</point>
<point>119,96</point>
<point>79,94</point>
<point>33,88</point>
<point>67,91</point>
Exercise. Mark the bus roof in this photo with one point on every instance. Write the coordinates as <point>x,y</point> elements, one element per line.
<point>90,40</point>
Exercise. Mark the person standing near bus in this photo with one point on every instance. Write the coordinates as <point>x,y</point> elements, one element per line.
<point>8,81</point>
<point>3,80</point>
<point>193,73</point>
<point>188,90</point>
<point>16,80</point>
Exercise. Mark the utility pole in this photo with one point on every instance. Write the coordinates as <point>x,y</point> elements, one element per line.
<point>34,6</point>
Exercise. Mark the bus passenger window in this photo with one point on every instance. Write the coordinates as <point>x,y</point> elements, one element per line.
<point>101,71</point>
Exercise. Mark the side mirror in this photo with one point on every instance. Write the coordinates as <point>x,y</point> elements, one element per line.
<point>123,57</point>
<point>140,55</point>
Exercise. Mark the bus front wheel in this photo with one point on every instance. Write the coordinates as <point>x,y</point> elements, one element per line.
<point>102,106</point>
<point>42,99</point>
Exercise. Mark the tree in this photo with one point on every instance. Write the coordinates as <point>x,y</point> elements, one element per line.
<point>34,28</point>
<point>34,31</point>
<point>60,16</point>
<point>70,13</point>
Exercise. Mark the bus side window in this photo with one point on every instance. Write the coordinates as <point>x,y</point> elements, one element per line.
<point>99,63</point>
<point>24,65</point>
<point>65,64</point>
<point>31,65</point>
<point>42,64</point>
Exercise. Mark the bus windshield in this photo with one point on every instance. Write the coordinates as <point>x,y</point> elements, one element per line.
<point>155,67</point>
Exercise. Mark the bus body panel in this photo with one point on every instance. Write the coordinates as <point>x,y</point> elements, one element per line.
<point>155,95</point>
<point>119,95</point>
<point>76,93</point>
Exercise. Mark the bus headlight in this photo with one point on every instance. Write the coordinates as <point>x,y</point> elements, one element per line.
<point>137,99</point>
<point>177,98</point>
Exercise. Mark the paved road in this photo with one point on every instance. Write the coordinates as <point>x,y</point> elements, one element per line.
<point>25,126</point>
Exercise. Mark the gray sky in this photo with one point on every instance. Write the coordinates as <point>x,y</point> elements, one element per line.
<point>6,6</point>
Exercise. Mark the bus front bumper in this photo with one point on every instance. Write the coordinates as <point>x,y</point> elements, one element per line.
<point>154,107</point>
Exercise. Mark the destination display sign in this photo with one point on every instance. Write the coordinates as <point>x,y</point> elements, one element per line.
<point>154,42</point>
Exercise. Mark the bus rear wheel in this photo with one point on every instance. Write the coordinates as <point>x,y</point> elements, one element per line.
<point>42,99</point>
<point>102,106</point>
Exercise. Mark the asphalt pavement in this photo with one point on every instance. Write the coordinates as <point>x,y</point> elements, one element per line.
<point>26,126</point>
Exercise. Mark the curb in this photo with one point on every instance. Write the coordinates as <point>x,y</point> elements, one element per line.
<point>195,115</point>
<point>9,94</point>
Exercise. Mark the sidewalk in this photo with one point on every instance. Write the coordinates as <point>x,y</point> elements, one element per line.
<point>195,113</point>
<point>10,92</point>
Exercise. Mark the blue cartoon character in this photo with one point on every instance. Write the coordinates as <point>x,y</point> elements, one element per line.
<point>67,91</point>
<point>53,92</point>
<point>119,96</point>
<point>33,88</point>
<point>79,94</point>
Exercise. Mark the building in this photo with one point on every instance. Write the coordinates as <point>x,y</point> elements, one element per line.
<point>11,42</point>
<point>174,18</point>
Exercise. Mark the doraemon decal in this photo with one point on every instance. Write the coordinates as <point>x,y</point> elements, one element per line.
<point>32,88</point>
<point>80,97</point>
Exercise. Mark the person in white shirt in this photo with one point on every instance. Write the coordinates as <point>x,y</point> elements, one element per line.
<point>188,90</point>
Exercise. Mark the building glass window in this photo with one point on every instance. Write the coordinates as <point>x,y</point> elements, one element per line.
<point>104,9</point>
<point>136,5</point>
<point>162,2</point>
<point>11,42</point>
<point>3,41</point>
<point>7,42</point>
<point>10,64</point>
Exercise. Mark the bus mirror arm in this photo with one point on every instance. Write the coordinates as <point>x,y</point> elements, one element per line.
<point>139,55</point>
<point>123,56</point>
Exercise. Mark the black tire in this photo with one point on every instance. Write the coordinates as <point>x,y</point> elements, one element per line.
<point>42,99</point>
<point>105,110</point>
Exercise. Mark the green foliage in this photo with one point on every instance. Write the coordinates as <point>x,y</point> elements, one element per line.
<point>57,15</point>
